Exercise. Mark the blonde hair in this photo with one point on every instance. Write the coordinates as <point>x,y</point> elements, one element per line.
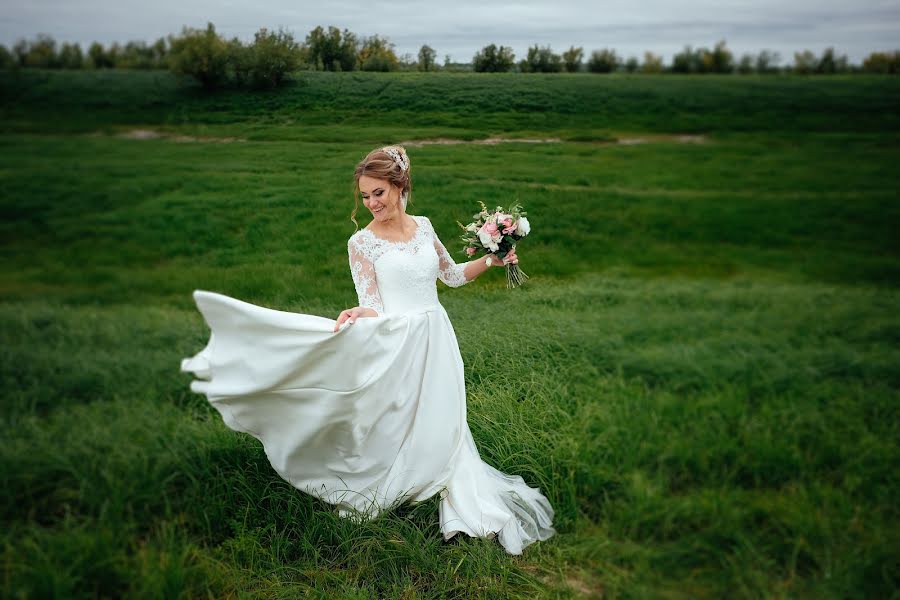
<point>380,165</point>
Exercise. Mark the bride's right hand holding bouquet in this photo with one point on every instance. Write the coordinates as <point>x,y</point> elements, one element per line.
<point>497,233</point>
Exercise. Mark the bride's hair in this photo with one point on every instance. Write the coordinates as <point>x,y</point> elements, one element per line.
<point>381,165</point>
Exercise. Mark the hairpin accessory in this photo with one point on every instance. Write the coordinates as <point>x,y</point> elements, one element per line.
<point>399,157</point>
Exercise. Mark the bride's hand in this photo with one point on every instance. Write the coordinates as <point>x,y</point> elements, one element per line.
<point>509,259</point>
<point>351,314</point>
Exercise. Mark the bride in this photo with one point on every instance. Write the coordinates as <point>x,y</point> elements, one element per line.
<point>369,411</point>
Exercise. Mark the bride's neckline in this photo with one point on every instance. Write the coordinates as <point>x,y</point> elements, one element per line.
<point>413,237</point>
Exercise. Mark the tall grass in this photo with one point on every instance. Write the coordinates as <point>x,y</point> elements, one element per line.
<point>702,374</point>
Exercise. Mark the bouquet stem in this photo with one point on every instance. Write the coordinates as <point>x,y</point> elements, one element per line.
<point>515,276</point>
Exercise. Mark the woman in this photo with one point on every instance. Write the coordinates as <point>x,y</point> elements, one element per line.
<point>369,411</point>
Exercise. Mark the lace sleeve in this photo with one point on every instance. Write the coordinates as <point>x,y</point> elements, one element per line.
<point>449,271</point>
<point>363,272</point>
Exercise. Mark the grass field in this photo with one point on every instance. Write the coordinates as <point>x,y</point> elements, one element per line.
<point>705,366</point>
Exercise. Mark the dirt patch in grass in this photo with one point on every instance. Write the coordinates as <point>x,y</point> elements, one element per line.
<point>651,139</point>
<point>487,141</point>
<point>152,134</point>
<point>626,141</point>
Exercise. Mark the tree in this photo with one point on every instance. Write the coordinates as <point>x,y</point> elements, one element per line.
<point>99,59</point>
<point>114,53</point>
<point>805,62</point>
<point>541,60</point>
<point>331,50</point>
<point>160,53</point>
<point>830,64</point>
<point>273,55</point>
<point>406,62</point>
<point>767,61</point>
<point>70,56</point>
<point>631,65</point>
<point>882,62</point>
<point>603,61</point>
<point>653,63</point>
<point>426,58</point>
<point>239,59</point>
<point>20,52</point>
<point>200,54</point>
<point>42,53</point>
<point>572,59</point>
<point>720,60</point>
<point>689,60</point>
<point>745,65</point>
<point>7,59</point>
<point>377,54</point>
<point>494,59</point>
<point>136,55</point>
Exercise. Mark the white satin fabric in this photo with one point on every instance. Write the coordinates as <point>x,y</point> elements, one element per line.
<point>370,416</point>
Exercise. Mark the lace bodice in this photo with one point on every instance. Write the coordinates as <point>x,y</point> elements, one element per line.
<point>395,277</point>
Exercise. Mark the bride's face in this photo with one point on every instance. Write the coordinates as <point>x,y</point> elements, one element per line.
<point>381,198</point>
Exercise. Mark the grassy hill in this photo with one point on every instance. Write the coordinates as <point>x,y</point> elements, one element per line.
<point>468,104</point>
<point>702,374</point>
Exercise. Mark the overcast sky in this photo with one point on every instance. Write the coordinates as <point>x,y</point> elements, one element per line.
<point>461,27</point>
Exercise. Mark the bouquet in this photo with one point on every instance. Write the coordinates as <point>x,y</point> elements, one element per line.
<point>497,233</point>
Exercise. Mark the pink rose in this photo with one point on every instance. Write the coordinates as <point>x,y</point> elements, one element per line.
<point>508,226</point>
<point>491,229</point>
<point>470,251</point>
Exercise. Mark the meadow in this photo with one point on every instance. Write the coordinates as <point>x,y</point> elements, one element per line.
<point>701,375</point>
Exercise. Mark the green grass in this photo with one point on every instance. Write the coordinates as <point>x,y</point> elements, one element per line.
<point>702,374</point>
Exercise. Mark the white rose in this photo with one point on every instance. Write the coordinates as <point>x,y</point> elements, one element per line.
<point>485,238</point>
<point>523,228</point>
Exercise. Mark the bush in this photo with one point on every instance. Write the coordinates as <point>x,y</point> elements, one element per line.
<point>202,55</point>
<point>603,61</point>
<point>492,59</point>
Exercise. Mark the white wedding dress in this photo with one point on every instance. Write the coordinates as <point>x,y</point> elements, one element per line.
<point>375,414</point>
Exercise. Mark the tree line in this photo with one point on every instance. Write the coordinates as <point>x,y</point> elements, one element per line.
<point>215,61</point>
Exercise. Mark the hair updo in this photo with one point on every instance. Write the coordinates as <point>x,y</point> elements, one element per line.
<point>380,165</point>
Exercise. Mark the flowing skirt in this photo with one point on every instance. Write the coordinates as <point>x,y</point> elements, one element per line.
<point>365,418</point>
